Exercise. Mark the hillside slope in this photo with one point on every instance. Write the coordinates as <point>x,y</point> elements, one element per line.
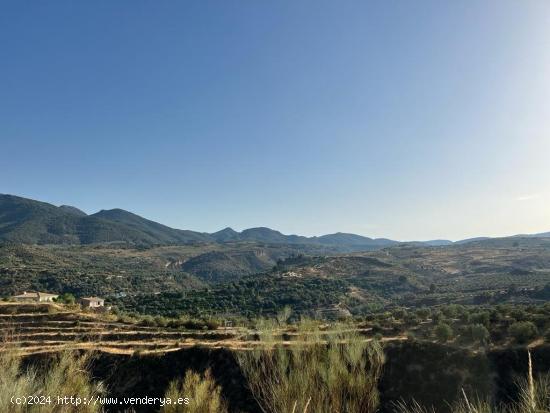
<point>161,234</point>
<point>28,221</point>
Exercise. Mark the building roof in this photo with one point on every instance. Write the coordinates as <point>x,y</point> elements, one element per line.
<point>34,294</point>
<point>93,298</point>
<point>26,295</point>
<point>47,295</point>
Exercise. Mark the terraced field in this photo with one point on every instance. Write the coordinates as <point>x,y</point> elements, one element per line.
<point>40,328</point>
<point>45,328</point>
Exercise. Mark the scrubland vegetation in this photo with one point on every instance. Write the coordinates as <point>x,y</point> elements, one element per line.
<point>296,366</point>
<point>255,280</point>
<point>203,393</point>
<point>465,326</point>
<point>478,298</point>
<point>66,375</point>
<point>334,373</point>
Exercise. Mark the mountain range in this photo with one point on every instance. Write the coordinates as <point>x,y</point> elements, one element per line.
<point>24,220</point>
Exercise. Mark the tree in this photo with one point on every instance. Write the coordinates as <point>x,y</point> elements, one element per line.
<point>411,320</point>
<point>66,298</point>
<point>523,331</point>
<point>400,314</point>
<point>423,313</point>
<point>443,332</point>
<point>451,310</point>
<point>482,317</point>
<point>437,317</point>
<point>476,333</point>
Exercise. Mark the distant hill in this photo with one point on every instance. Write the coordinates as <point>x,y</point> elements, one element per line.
<point>158,233</point>
<point>349,242</point>
<point>28,221</point>
<point>539,235</point>
<point>436,242</point>
<point>225,235</point>
<point>476,239</point>
<point>217,266</point>
<point>354,240</point>
<point>268,235</point>
<point>24,220</point>
<point>72,210</point>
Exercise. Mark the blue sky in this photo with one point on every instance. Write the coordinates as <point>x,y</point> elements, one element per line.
<point>408,120</point>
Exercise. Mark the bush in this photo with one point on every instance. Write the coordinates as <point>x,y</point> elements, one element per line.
<point>482,317</point>
<point>400,314</point>
<point>422,313</point>
<point>66,375</point>
<point>452,310</point>
<point>477,333</point>
<point>194,325</point>
<point>148,321</point>
<point>161,321</point>
<point>412,320</point>
<point>339,376</point>
<point>443,332</point>
<point>212,324</point>
<point>437,317</point>
<point>66,298</point>
<point>474,333</point>
<point>202,391</point>
<point>523,331</point>
<point>126,319</point>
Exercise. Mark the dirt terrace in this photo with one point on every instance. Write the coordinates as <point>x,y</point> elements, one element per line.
<point>44,328</point>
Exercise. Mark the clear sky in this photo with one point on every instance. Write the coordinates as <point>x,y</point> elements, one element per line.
<point>402,119</point>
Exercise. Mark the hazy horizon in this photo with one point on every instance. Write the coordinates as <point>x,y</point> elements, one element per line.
<point>404,121</point>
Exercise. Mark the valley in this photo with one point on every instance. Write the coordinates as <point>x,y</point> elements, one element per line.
<point>178,301</point>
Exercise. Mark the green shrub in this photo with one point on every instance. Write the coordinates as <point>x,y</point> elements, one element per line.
<point>476,333</point>
<point>66,298</point>
<point>481,317</point>
<point>212,324</point>
<point>443,332</point>
<point>523,331</point>
<point>423,313</point>
<point>147,320</point>
<point>437,317</point>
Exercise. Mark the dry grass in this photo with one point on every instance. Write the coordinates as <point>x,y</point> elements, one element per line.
<point>203,393</point>
<point>66,375</point>
<point>338,373</point>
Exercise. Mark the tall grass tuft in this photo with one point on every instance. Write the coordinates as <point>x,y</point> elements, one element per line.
<point>203,393</point>
<point>66,375</point>
<point>315,373</point>
<point>413,407</point>
<point>534,393</point>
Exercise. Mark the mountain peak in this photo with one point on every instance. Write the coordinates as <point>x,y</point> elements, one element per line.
<point>73,210</point>
<point>226,234</point>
